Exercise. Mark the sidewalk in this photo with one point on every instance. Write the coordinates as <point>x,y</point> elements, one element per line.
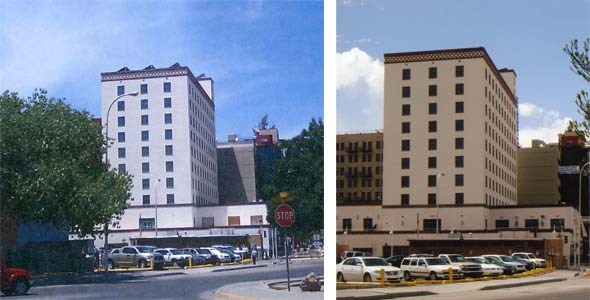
<point>260,290</point>
<point>388,293</point>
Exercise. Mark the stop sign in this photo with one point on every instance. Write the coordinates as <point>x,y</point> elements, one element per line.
<point>284,215</point>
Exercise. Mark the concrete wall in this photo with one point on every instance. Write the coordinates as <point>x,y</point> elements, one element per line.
<point>538,175</point>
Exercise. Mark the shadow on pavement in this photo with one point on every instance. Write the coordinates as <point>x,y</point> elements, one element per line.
<point>96,278</point>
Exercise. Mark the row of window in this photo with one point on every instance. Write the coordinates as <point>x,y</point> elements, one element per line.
<point>356,196</point>
<point>354,147</point>
<point>143,88</point>
<point>354,183</point>
<point>147,201</point>
<point>432,144</point>
<point>430,224</point>
<point>459,178</point>
<point>145,120</point>
<point>433,126</point>
<point>433,108</point>
<point>433,90</point>
<point>433,72</point>
<point>366,157</point>
<point>145,183</point>
<point>143,104</point>
<point>145,167</point>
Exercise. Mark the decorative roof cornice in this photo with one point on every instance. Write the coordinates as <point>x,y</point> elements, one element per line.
<point>449,54</point>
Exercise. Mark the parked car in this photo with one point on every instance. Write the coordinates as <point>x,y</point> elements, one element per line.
<point>527,263</point>
<point>539,262</point>
<point>347,254</point>
<point>14,281</point>
<point>366,269</point>
<point>395,260</point>
<point>428,267</point>
<point>195,257</point>
<point>223,257</point>
<point>210,258</point>
<point>488,268</point>
<point>174,257</point>
<point>508,269</point>
<point>509,260</point>
<point>469,269</point>
<point>229,250</point>
<point>135,256</point>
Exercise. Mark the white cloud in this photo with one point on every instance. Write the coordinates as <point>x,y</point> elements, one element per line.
<point>359,85</point>
<point>539,123</point>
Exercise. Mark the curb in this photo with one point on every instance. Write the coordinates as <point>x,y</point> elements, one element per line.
<point>509,285</point>
<point>389,295</point>
<point>239,268</point>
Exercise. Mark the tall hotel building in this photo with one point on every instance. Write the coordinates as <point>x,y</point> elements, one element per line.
<point>165,138</point>
<point>449,112</point>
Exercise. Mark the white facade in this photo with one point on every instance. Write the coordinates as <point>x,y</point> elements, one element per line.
<point>165,138</point>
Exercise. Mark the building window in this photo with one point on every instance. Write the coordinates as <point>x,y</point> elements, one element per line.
<point>405,163</point>
<point>169,198</point>
<point>459,71</point>
<point>120,105</point>
<point>121,152</point>
<point>432,90</point>
<point>431,144</point>
<point>168,134</point>
<point>147,223</point>
<point>459,198</point>
<point>502,224</point>
<point>557,224</point>
<point>406,74</point>
<point>458,125</point>
<point>430,224</point>
<point>405,199</point>
<point>431,126</point>
<point>120,90</point>
<point>143,89</point>
<point>169,166</point>
<point>459,89</point>
<point>146,199</point>
<point>167,102</point>
<point>459,107</point>
<point>145,135</point>
<point>432,72</point>
<point>145,167</point>
<point>432,108</point>
<point>431,199</point>
<point>145,151</point>
<point>531,223</point>
<point>431,180</point>
<point>432,162</point>
<point>169,183</point>
<point>459,143</point>
<point>121,121</point>
<point>145,183</point>
<point>458,161</point>
<point>122,168</point>
<point>405,127</point>
<point>346,224</point>
<point>368,224</point>
<point>168,118</point>
<point>405,145</point>
<point>145,120</point>
<point>405,181</point>
<point>121,137</point>
<point>167,87</point>
<point>406,92</point>
<point>169,150</point>
<point>458,179</point>
<point>405,110</point>
<point>144,104</point>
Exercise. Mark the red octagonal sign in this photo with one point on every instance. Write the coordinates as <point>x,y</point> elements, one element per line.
<point>284,215</point>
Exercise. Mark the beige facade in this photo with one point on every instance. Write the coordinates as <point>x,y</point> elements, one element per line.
<point>359,166</point>
<point>538,174</point>
<point>449,112</point>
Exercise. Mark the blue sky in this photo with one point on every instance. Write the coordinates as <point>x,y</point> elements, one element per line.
<point>264,56</point>
<point>527,36</point>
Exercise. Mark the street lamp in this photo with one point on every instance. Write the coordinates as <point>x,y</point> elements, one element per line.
<point>577,225</point>
<point>437,198</point>
<point>156,206</point>
<point>106,224</point>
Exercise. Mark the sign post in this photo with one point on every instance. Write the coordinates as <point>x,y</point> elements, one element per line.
<point>285,217</point>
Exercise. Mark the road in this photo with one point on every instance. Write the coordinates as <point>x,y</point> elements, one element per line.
<point>170,284</point>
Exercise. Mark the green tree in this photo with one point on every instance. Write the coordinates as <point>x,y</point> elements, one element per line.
<point>51,168</point>
<point>580,64</point>
<point>301,174</point>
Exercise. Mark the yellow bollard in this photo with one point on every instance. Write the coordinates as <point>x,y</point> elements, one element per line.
<point>152,264</point>
<point>450,275</point>
<point>382,277</point>
<point>190,262</point>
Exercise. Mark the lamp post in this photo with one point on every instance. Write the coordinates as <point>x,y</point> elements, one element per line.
<point>106,223</point>
<point>156,206</point>
<point>576,224</point>
<point>437,198</point>
<point>391,233</point>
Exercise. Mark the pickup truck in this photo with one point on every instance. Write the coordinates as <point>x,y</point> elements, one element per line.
<point>136,256</point>
<point>469,269</point>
